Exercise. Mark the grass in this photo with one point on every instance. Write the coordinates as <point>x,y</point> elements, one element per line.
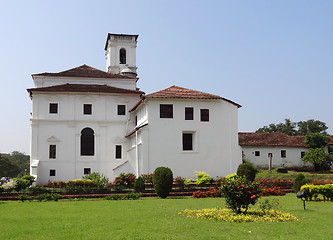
<point>265,174</point>
<point>152,218</point>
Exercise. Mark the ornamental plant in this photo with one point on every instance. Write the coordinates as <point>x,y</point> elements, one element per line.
<point>240,193</point>
<point>248,170</point>
<point>299,181</point>
<point>139,184</point>
<point>162,180</point>
<point>99,179</point>
<point>148,178</point>
<point>180,182</point>
<point>202,178</point>
<point>124,180</point>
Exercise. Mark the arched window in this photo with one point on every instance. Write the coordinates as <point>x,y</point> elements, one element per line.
<point>87,142</point>
<point>122,56</point>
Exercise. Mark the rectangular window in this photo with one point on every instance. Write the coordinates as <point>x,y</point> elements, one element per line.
<point>121,109</point>
<point>118,151</point>
<point>52,172</point>
<point>187,141</point>
<point>166,111</point>
<point>257,153</point>
<point>302,154</point>
<point>53,108</point>
<point>52,151</point>
<point>204,114</point>
<point>86,171</point>
<point>189,113</point>
<point>87,109</point>
<point>283,153</point>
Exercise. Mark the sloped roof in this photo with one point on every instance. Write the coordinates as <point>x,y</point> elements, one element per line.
<point>86,88</point>
<point>84,71</point>
<point>185,93</point>
<point>270,139</point>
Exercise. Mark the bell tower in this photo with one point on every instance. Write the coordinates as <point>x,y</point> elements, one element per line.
<point>120,53</point>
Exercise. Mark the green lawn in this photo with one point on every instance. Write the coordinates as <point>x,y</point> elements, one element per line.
<point>152,218</point>
<point>265,174</point>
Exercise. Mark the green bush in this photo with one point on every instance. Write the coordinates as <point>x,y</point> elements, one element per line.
<point>81,183</point>
<point>29,178</point>
<point>162,180</point>
<point>124,180</point>
<point>1,189</point>
<point>139,184</point>
<point>202,178</point>
<point>38,190</point>
<point>312,191</point>
<point>21,184</point>
<point>99,179</point>
<point>48,197</point>
<point>299,181</point>
<point>113,197</point>
<point>23,198</point>
<point>180,182</point>
<point>240,193</point>
<point>132,196</point>
<point>248,170</point>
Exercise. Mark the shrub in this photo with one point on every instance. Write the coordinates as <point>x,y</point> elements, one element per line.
<point>124,180</point>
<point>29,178</point>
<point>99,179</point>
<point>179,181</point>
<point>240,193</point>
<point>139,184</point>
<point>275,191</point>
<point>132,196</point>
<point>9,186</point>
<point>80,183</point>
<point>299,181</point>
<point>199,194</point>
<point>113,197</point>
<point>1,189</point>
<point>38,190</point>
<point>162,180</point>
<point>48,197</point>
<point>21,184</point>
<point>312,191</point>
<point>248,170</point>
<point>23,198</point>
<point>148,178</point>
<point>188,181</point>
<point>202,178</point>
<point>58,184</point>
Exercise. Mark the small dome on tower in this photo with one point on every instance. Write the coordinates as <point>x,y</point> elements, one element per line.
<point>127,71</point>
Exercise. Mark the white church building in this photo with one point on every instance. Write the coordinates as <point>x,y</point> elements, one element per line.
<point>86,120</point>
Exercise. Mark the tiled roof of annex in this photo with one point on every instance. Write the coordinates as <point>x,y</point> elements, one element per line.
<point>86,72</point>
<point>185,93</point>
<point>84,88</point>
<point>270,139</point>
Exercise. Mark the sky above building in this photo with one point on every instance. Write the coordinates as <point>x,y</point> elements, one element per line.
<point>272,57</point>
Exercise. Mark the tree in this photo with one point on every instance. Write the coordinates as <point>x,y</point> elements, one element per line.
<point>8,168</point>
<point>21,160</point>
<point>316,140</point>
<point>317,154</point>
<point>300,128</point>
<point>288,127</point>
<point>319,158</point>
<point>311,126</point>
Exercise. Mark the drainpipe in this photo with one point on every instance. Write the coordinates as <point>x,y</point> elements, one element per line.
<point>137,153</point>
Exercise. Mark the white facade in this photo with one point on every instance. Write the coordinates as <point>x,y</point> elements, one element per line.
<point>159,141</point>
<point>76,126</point>
<point>282,156</point>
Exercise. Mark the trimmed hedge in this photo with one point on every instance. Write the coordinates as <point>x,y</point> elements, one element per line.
<point>313,191</point>
<point>162,180</point>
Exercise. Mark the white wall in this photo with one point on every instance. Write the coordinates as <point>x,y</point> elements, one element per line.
<point>216,149</point>
<point>292,159</point>
<point>64,129</point>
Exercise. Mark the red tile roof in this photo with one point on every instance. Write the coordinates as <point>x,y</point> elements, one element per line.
<point>184,93</point>
<point>84,71</point>
<point>270,139</point>
<point>86,88</point>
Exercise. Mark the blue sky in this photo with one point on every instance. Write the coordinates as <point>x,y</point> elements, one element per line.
<point>272,57</point>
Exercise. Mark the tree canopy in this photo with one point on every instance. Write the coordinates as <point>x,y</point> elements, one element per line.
<point>300,128</point>
<point>14,164</point>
